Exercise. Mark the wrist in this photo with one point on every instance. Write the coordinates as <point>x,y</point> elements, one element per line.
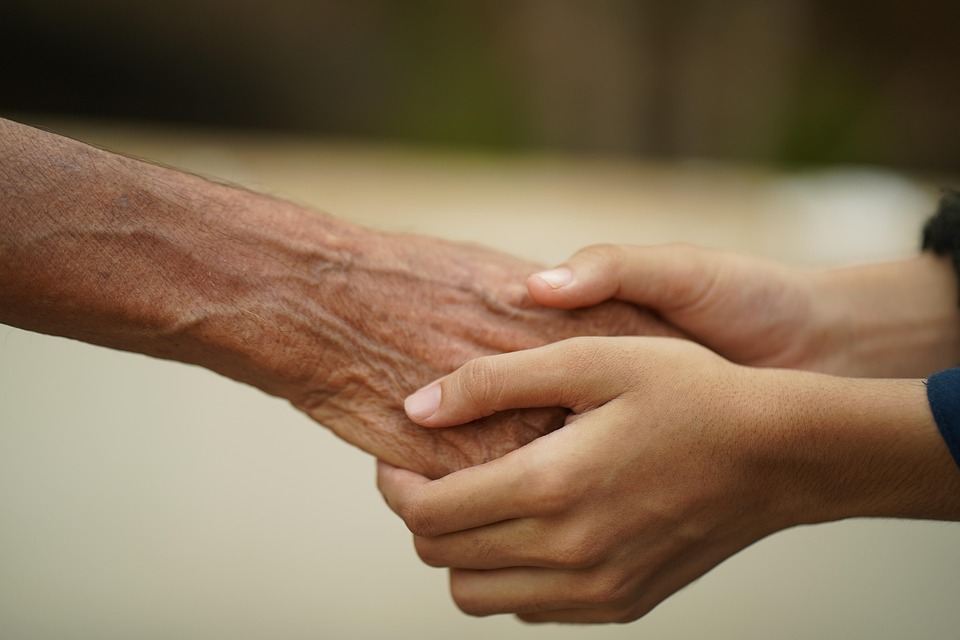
<point>898,319</point>
<point>851,447</point>
<point>263,291</point>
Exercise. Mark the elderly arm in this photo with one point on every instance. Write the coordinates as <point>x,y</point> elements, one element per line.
<point>340,320</point>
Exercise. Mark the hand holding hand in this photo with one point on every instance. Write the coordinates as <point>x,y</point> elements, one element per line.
<point>672,459</point>
<point>412,308</point>
<point>897,319</point>
<point>603,519</point>
<point>340,320</point>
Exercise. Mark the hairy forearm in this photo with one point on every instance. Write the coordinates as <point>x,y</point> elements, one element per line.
<point>340,320</point>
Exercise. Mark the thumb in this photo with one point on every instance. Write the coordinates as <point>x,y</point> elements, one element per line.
<point>663,277</point>
<point>563,374</point>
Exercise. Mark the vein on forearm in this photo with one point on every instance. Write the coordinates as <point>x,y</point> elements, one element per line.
<point>134,256</point>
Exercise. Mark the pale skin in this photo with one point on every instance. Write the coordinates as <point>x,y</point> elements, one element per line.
<point>340,320</point>
<point>675,456</point>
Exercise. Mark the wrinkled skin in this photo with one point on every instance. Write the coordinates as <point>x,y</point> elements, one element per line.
<point>414,308</point>
<point>342,321</point>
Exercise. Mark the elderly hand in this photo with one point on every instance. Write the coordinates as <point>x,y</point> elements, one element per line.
<point>672,460</point>
<point>412,308</point>
<point>897,319</point>
<point>340,320</point>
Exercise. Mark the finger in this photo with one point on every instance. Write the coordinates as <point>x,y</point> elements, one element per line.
<point>536,592</point>
<point>398,486</point>
<point>663,277</point>
<point>581,616</point>
<point>473,497</point>
<point>579,374</point>
<point>518,542</point>
<point>656,588</point>
<point>496,546</point>
<point>511,590</point>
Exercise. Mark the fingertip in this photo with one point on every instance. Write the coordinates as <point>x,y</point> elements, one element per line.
<point>395,483</point>
<point>554,288</point>
<point>386,473</point>
<point>385,480</point>
<point>555,278</point>
<point>424,403</point>
<point>384,467</point>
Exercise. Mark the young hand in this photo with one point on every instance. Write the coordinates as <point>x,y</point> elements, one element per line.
<point>672,460</point>
<point>897,319</point>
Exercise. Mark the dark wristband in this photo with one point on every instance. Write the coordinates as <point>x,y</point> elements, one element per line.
<point>943,393</point>
<point>941,233</point>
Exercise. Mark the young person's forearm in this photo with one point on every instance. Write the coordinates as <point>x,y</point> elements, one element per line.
<point>844,447</point>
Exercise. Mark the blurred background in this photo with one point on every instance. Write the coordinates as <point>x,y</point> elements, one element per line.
<point>790,82</point>
<point>150,500</point>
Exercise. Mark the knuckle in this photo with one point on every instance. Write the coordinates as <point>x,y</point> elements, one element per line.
<point>480,383</point>
<point>586,353</point>
<point>574,352</point>
<point>417,517</point>
<point>580,551</point>
<point>428,552</point>
<point>696,275</point>
<point>466,598</point>
<point>603,255</point>
<point>550,489</point>
<point>609,589</point>
<point>584,358</point>
<point>577,557</point>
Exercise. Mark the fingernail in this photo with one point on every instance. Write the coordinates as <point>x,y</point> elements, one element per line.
<point>556,278</point>
<point>423,403</point>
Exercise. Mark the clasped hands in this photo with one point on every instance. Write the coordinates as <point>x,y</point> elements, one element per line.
<point>674,455</point>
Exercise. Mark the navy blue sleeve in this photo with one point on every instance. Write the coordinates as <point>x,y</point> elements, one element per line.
<point>943,393</point>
